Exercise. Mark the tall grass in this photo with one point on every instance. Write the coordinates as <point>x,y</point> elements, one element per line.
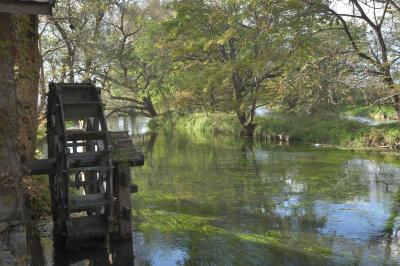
<point>217,123</point>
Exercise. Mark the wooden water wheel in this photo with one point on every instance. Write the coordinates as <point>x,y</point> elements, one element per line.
<point>88,166</point>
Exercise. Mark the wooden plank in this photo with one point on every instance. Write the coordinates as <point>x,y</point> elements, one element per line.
<point>89,168</point>
<point>83,202</point>
<point>84,135</point>
<point>85,159</point>
<point>25,7</point>
<point>86,226</point>
<point>81,110</point>
<point>132,158</point>
<point>79,94</point>
<point>123,149</point>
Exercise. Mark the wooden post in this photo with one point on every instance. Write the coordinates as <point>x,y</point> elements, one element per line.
<point>124,156</point>
<point>123,206</point>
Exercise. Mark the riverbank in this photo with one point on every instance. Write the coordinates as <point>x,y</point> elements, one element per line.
<point>322,130</point>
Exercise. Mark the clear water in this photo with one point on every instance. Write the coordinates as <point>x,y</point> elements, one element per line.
<point>216,201</point>
<point>221,201</point>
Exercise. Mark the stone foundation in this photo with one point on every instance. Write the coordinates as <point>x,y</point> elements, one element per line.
<point>13,241</point>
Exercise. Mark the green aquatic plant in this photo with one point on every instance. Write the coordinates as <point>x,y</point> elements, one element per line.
<point>172,222</point>
<point>165,221</point>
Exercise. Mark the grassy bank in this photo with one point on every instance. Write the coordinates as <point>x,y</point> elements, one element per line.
<point>334,131</point>
<point>206,123</point>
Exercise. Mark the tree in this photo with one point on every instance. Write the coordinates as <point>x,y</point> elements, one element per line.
<point>321,76</point>
<point>129,75</point>
<point>372,30</point>
<point>228,50</point>
<point>106,42</point>
<point>70,39</point>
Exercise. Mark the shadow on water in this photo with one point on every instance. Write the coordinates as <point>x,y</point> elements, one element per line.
<point>117,253</point>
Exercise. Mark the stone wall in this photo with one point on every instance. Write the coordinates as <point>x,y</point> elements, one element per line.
<point>12,222</point>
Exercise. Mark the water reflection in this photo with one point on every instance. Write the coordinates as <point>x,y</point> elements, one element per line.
<point>262,111</point>
<point>220,201</point>
<point>117,253</point>
<point>135,125</point>
<point>163,255</point>
<point>43,252</point>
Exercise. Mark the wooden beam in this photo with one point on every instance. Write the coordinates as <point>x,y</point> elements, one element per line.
<point>123,149</point>
<point>40,167</point>
<point>18,7</point>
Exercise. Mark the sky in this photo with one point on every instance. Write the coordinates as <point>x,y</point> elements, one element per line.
<point>343,7</point>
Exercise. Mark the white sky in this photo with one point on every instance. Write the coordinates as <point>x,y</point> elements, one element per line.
<point>344,7</point>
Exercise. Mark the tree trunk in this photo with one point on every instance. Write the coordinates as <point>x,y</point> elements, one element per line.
<point>249,130</point>
<point>11,190</point>
<point>396,102</point>
<point>69,60</point>
<point>89,55</point>
<point>148,103</point>
<point>247,124</point>
<point>248,127</point>
<point>388,80</point>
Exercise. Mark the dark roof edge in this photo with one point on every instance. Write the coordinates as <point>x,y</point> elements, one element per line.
<point>34,7</point>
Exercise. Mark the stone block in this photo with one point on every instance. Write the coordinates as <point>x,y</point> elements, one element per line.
<point>17,240</point>
<point>3,226</point>
<point>11,206</point>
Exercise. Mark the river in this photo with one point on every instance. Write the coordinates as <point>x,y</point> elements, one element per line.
<point>206,200</point>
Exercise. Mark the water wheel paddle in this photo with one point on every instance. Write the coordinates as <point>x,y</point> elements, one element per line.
<point>88,166</point>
